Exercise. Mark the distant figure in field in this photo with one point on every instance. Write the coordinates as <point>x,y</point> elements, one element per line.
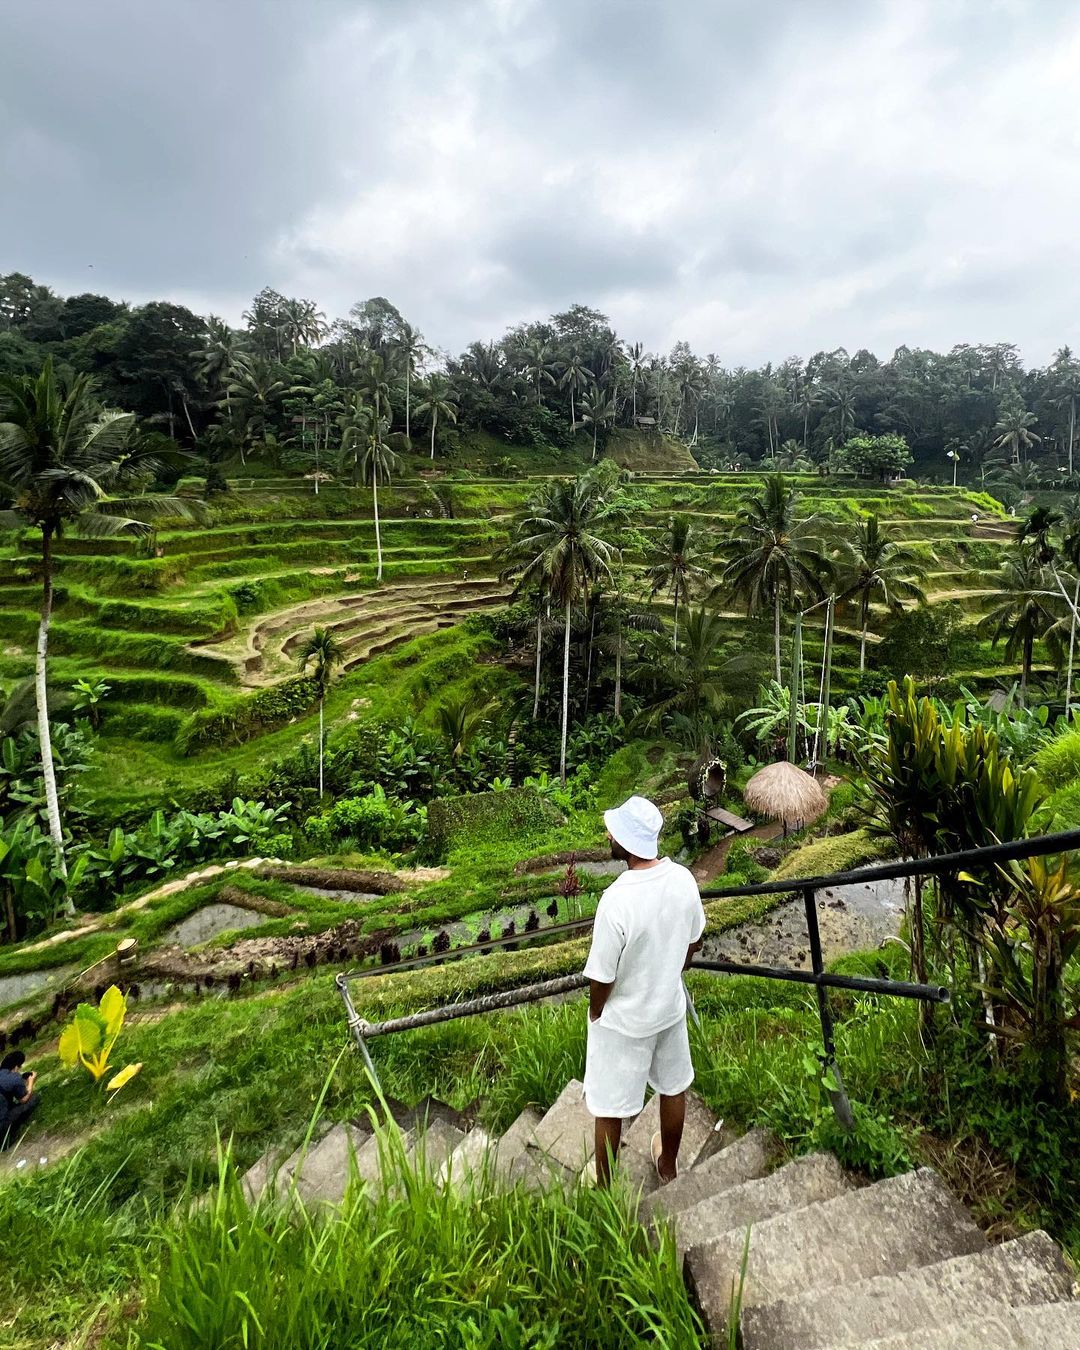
<point>18,1100</point>
<point>649,924</point>
<point>465,574</point>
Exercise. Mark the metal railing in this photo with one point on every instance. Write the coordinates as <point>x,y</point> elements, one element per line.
<point>944,864</point>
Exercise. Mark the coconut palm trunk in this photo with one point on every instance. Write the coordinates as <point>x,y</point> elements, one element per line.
<point>1072,651</point>
<point>434,423</point>
<point>378,535</point>
<point>676,646</point>
<point>776,635</point>
<point>865,626</point>
<point>407,394</point>
<point>322,700</point>
<point>539,651</point>
<point>48,769</point>
<point>618,674</point>
<point>565,693</point>
<point>1025,671</point>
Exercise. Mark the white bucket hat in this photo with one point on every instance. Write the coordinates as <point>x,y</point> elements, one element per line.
<point>636,825</point>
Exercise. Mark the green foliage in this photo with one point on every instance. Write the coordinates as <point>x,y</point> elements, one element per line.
<point>244,717</point>
<point>166,843</point>
<point>90,1036</point>
<point>479,1269</point>
<point>456,823</point>
<point>374,821</point>
<point>838,853</point>
<point>877,456</point>
<point>1058,762</point>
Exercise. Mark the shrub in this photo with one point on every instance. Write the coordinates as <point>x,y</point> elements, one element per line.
<point>370,822</point>
<point>243,717</point>
<point>1058,764</point>
<point>836,854</point>
<point>486,818</point>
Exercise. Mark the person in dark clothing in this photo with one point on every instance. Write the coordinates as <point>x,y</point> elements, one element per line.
<point>18,1100</point>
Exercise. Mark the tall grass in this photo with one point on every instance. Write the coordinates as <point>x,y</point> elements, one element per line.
<point>420,1264</point>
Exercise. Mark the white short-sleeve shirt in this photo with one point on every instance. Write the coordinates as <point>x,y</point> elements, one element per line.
<point>645,921</point>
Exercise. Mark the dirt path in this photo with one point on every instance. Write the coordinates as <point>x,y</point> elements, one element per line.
<point>710,864</point>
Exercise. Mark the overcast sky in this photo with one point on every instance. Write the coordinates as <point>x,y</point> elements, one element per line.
<point>759,178</point>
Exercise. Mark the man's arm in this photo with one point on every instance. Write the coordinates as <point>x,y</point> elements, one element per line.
<point>692,951</point>
<point>599,993</point>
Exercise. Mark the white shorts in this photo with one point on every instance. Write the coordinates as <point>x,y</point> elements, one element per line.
<point>617,1068</point>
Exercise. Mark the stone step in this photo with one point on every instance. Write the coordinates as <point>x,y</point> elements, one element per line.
<point>806,1181</point>
<point>471,1160</point>
<point>322,1175</point>
<point>512,1143</point>
<point>274,1170</point>
<point>1029,1270</point>
<point>635,1155</point>
<point>1044,1326</point>
<point>566,1133</point>
<point>895,1225</point>
<point>743,1160</point>
<point>432,1145</point>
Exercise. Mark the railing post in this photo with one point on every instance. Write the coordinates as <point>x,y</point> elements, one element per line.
<point>355,1022</point>
<point>837,1094</point>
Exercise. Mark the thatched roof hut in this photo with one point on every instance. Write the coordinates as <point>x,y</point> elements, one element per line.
<point>785,792</point>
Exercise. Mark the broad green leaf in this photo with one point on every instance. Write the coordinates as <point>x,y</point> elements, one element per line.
<point>112,1007</point>
<point>119,1080</point>
<point>83,1037</point>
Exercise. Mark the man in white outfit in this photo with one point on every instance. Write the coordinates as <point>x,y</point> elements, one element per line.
<point>649,924</point>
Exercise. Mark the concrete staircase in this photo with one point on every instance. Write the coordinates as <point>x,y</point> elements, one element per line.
<point>832,1264</point>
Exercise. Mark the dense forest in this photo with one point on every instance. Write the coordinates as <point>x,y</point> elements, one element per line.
<point>288,385</point>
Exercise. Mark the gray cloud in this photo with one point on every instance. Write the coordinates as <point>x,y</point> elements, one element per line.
<point>755,178</point>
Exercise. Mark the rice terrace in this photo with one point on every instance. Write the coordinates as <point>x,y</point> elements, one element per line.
<point>555,840</point>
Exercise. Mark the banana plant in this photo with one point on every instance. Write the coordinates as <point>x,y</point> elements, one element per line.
<point>89,1037</point>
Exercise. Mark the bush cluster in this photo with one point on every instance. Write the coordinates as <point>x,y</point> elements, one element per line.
<point>245,716</point>
<point>373,821</point>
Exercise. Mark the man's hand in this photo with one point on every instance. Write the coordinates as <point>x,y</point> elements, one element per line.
<point>598,996</point>
<point>693,950</point>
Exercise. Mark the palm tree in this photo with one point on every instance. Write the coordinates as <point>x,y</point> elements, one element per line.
<point>636,359</point>
<point>256,386</point>
<point>689,683</point>
<point>575,373</point>
<point>843,407</point>
<point>772,557</point>
<point>619,617</point>
<point>324,652</point>
<point>806,403</point>
<point>673,566</point>
<point>460,720</point>
<point>1020,613</point>
<point>1036,531</point>
<point>302,323</point>
<point>61,458</point>
<point>1014,431</point>
<point>597,410</point>
<point>376,464</point>
<point>376,387</point>
<point>880,565</point>
<point>539,365</point>
<point>410,346</point>
<point>565,539</point>
<point>437,403</point>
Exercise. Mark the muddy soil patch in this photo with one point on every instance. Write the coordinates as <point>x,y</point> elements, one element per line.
<point>850,918</point>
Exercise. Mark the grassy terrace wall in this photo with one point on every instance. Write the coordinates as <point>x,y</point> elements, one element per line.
<point>163,623</point>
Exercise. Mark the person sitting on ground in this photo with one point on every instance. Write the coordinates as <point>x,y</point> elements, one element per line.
<point>18,1100</point>
<point>649,924</point>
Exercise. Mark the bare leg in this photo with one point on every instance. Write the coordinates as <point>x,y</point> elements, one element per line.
<point>672,1115</point>
<point>608,1135</point>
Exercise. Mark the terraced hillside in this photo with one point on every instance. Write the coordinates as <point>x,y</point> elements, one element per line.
<point>200,616</point>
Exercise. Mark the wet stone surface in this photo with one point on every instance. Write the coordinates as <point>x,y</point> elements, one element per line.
<point>850,918</point>
<point>208,922</point>
<point>608,868</point>
<point>16,987</point>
